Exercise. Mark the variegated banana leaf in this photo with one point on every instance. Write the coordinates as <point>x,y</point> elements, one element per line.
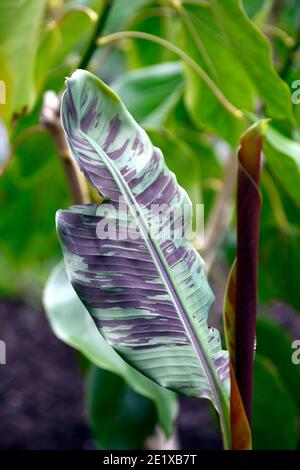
<point>148,294</point>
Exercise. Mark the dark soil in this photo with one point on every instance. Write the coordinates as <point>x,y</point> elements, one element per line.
<point>42,391</point>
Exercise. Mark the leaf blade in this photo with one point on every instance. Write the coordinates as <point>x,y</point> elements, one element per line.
<point>119,417</point>
<point>18,52</point>
<point>118,158</point>
<point>72,323</point>
<point>254,52</point>
<point>150,93</point>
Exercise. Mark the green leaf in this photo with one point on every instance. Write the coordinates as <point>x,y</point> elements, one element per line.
<point>207,114</point>
<point>122,12</point>
<point>120,418</point>
<point>279,243</point>
<point>211,168</point>
<point>149,20</point>
<point>72,323</point>
<point>216,56</point>
<point>258,10</point>
<point>19,33</point>
<point>275,344</point>
<point>202,39</point>
<point>151,93</point>
<point>279,265</point>
<point>73,30</point>
<point>254,53</point>
<point>274,414</point>
<point>179,156</point>
<point>62,42</point>
<point>283,158</point>
<point>32,188</point>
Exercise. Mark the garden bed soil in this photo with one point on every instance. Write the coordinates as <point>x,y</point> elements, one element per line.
<point>42,391</point>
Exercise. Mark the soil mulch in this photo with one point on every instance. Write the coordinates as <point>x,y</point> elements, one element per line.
<point>42,391</point>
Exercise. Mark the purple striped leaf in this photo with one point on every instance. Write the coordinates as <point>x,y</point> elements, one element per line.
<point>145,286</point>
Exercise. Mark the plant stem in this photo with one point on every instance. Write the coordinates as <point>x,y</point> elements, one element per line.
<point>271,30</point>
<point>51,121</point>
<point>104,40</point>
<point>98,30</point>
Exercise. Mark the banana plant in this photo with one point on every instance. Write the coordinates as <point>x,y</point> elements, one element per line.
<point>144,286</point>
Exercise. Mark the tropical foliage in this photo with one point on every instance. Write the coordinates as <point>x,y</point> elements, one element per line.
<point>193,76</point>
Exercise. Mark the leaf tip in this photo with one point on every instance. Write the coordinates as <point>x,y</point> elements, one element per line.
<point>81,77</point>
<point>251,147</point>
<point>256,131</point>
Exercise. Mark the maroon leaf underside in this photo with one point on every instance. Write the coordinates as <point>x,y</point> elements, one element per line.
<point>248,216</point>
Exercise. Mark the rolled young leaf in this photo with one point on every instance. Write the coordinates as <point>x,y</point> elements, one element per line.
<point>248,213</point>
<point>240,303</point>
<point>148,292</point>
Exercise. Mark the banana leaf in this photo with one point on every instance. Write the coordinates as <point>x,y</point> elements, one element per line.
<point>145,286</point>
